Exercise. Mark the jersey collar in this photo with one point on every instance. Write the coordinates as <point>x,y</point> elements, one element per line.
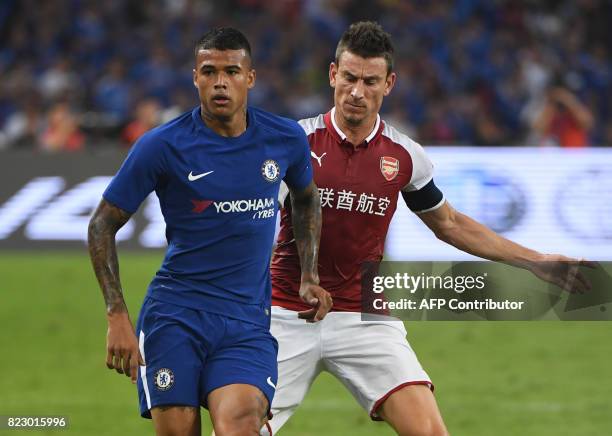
<point>339,134</point>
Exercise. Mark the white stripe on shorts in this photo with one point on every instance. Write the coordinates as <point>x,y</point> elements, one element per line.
<point>143,369</point>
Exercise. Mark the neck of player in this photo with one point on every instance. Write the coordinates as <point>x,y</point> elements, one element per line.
<point>355,133</point>
<point>232,126</point>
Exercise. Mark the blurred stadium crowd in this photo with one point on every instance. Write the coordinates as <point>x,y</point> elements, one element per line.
<point>83,73</point>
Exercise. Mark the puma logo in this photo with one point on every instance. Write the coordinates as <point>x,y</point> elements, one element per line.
<point>318,158</point>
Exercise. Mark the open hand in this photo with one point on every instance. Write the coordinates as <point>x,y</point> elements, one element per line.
<point>563,271</point>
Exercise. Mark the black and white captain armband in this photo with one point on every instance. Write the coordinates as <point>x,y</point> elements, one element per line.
<point>429,197</point>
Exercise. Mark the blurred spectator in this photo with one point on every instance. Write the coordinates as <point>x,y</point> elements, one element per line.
<point>398,118</point>
<point>58,80</point>
<point>563,120</point>
<point>62,132</point>
<point>608,133</point>
<point>147,115</point>
<point>112,92</point>
<point>157,75</point>
<point>24,126</point>
<point>181,102</point>
<point>469,71</point>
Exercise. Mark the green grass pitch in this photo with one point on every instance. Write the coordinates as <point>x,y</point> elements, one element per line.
<point>496,378</point>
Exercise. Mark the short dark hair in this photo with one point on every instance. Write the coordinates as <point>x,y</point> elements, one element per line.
<point>368,40</point>
<point>223,38</point>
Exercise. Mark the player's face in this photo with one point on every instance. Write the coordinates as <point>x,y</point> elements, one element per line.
<point>223,78</point>
<point>360,85</point>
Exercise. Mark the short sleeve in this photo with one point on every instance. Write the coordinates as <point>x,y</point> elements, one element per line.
<point>138,175</point>
<point>421,194</point>
<point>299,172</point>
<point>422,168</point>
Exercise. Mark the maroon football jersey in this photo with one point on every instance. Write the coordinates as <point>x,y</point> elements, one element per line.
<point>359,188</point>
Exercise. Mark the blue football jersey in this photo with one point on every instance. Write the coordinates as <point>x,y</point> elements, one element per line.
<point>218,197</point>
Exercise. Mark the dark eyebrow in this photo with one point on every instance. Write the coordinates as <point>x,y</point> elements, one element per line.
<point>351,76</point>
<point>212,67</point>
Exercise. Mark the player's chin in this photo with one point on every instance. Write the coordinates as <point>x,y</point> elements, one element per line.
<point>354,115</point>
<point>354,119</point>
<point>221,112</point>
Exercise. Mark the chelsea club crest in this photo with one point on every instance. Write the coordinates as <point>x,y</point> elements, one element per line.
<point>270,170</point>
<point>163,379</point>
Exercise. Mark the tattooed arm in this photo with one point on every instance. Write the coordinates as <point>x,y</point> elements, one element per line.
<point>122,354</point>
<point>105,223</point>
<point>306,221</point>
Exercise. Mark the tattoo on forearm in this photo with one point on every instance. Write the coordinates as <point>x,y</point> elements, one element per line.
<point>103,227</point>
<point>306,220</point>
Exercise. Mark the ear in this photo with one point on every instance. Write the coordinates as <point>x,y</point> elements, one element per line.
<point>195,78</point>
<point>333,70</point>
<point>251,76</point>
<point>389,83</point>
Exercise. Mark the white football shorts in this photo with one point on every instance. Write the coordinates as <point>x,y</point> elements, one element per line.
<point>371,358</point>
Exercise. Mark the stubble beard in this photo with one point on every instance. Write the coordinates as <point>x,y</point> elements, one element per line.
<point>353,121</point>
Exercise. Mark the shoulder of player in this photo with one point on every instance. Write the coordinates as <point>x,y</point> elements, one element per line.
<point>277,124</point>
<point>311,125</point>
<point>395,138</point>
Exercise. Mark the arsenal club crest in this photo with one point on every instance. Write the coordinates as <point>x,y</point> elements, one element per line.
<point>389,167</point>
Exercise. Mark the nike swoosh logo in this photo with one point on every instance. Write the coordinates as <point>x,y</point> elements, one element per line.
<point>193,178</point>
<point>269,381</point>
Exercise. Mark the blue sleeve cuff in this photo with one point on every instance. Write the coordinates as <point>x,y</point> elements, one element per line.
<point>116,200</point>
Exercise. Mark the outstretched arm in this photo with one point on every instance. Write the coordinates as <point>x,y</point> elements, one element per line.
<point>468,235</point>
<point>122,347</point>
<point>306,221</point>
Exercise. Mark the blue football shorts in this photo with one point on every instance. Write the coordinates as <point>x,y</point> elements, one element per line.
<point>189,353</point>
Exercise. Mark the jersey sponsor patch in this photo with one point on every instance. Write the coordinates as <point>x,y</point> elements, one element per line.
<point>270,170</point>
<point>389,167</point>
<point>352,201</point>
<point>263,207</point>
<point>164,379</point>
